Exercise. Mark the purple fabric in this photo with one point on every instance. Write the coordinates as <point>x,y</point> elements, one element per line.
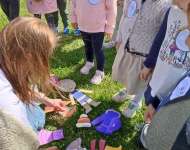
<point>109,122</point>
<point>46,136</point>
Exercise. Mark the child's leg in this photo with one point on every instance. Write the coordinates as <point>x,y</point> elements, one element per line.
<point>14,8</point>
<point>63,11</point>
<point>97,45</point>
<point>55,18</point>
<point>138,98</point>
<point>50,21</point>
<point>86,37</point>
<point>37,16</point>
<point>5,7</point>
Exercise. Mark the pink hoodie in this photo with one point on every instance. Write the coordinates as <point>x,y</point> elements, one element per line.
<point>94,18</point>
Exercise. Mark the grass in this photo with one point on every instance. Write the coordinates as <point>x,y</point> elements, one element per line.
<point>66,62</point>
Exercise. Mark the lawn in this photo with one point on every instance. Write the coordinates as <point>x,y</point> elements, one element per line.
<point>66,62</point>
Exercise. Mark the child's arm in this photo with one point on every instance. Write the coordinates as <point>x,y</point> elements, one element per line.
<point>150,61</point>
<point>111,7</point>
<point>151,109</point>
<point>40,97</point>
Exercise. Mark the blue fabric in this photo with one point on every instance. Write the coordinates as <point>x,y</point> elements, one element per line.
<point>108,122</point>
<point>94,45</point>
<point>36,117</point>
<point>77,95</point>
<point>147,95</point>
<point>167,98</point>
<point>151,59</point>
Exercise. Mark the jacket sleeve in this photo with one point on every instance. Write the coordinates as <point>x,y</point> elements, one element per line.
<point>150,61</point>
<point>72,15</point>
<point>111,7</point>
<point>99,119</point>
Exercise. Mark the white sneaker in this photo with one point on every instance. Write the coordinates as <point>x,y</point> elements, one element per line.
<point>110,44</point>
<point>130,110</point>
<point>122,95</point>
<point>97,78</point>
<point>87,67</point>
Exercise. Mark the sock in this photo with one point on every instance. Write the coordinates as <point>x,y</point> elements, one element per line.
<point>138,98</point>
<point>93,145</point>
<point>46,136</point>
<point>102,144</point>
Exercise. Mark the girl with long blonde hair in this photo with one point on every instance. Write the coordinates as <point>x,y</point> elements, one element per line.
<point>26,45</point>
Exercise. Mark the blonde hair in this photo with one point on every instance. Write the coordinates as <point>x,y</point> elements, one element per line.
<point>26,45</point>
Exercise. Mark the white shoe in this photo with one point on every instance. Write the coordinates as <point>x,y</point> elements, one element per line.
<point>110,44</point>
<point>131,109</point>
<point>122,95</point>
<point>97,78</point>
<point>87,67</point>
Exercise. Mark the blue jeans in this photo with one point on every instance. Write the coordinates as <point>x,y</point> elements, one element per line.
<point>94,45</point>
<point>10,8</point>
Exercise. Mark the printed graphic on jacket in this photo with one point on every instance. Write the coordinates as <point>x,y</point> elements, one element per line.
<point>178,54</point>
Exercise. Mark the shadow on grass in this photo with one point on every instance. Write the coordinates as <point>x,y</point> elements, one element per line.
<point>66,62</point>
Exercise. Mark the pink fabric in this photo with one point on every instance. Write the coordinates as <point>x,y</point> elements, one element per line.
<point>46,136</point>
<point>43,7</point>
<point>173,46</point>
<point>102,144</point>
<point>91,18</point>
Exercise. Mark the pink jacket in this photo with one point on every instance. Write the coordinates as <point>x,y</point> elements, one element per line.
<point>43,7</point>
<point>94,18</point>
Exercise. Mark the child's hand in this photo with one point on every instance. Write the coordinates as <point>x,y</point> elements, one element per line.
<point>144,73</point>
<point>108,35</point>
<point>58,104</point>
<point>74,25</point>
<point>149,114</point>
<point>117,46</point>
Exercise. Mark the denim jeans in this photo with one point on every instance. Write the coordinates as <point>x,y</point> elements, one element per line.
<point>94,45</point>
<point>11,8</point>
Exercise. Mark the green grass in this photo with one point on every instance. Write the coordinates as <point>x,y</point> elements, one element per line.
<point>66,62</point>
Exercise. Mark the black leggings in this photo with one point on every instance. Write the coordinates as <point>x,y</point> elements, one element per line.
<point>11,8</point>
<point>49,19</point>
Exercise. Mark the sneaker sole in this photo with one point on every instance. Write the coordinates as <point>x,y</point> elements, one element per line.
<point>84,73</point>
<point>122,100</point>
<point>94,83</point>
